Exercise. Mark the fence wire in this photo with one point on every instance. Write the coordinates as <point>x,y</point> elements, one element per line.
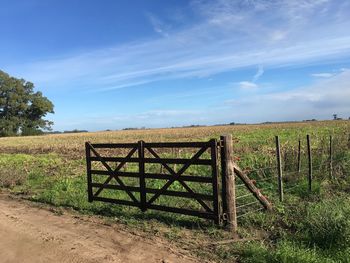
<point>266,178</point>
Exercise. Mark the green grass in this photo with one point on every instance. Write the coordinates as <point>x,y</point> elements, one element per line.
<point>307,227</point>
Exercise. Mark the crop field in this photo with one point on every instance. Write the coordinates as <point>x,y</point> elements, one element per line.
<point>309,226</point>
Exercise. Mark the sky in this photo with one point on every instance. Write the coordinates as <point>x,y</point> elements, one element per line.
<point>109,64</point>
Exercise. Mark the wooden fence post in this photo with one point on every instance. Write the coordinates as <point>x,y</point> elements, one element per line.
<point>215,174</point>
<point>279,168</point>
<point>223,172</point>
<point>330,156</point>
<point>88,170</point>
<point>230,190</point>
<point>309,153</point>
<point>141,152</point>
<point>299,156</point>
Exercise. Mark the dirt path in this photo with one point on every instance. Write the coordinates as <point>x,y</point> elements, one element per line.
<point>33,234</point>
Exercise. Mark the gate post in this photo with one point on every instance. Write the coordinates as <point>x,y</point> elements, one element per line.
<point>228,186</point>
<point>279,169</point>
<point>309,154</point>
<point>88,171</point>
<point>141,153</point>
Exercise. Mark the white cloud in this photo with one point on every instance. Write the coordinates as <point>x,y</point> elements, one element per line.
<point>247,85</point>
<point>319,100</point>
<point>228,35</point>
<point>259,73</point>
<point>323,75</point>
<point>151,119</point>
<point>158,26</point>
<point>278,35</point>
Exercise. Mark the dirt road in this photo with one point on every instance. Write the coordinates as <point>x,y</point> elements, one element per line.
<point>33,234</point>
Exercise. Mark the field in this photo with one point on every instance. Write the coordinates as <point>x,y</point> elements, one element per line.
<point>307,227</point>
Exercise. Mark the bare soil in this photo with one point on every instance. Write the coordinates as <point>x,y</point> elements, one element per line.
<point>30,233</point>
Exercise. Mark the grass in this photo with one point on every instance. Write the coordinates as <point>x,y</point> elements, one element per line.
<point>307,227</point>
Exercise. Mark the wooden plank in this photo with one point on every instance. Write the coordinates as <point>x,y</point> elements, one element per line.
<point>142,181</point>
<point>223,177</point>
<point>152,160</point>
<point>153,191</point>
<point>229,173</point>
<point>182,194</point>
<point>215,174</point>
<point>116,187</point>
<point>88,170</point>
<point>252,188</point>
<point>182,211</point>
<point>158,207</point>
<point>113,145</point>
<point>178,161</point>
<point>186,178</point>
<point>115,159</point>
<point>279,169</point>
<point>116,201</point>
<point>177,144</point>
<point>118,173</point>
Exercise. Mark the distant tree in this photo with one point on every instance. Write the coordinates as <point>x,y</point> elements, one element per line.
<point>21,109</point>
<point>75,131</point>
<point>335,116</point>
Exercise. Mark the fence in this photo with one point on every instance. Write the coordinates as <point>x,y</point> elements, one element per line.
<point>144,188</point>
<point>219,190</point>
<point>298,168</point>
<point>325,164</point>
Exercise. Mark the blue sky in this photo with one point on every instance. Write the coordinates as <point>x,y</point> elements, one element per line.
<point>114,64</point>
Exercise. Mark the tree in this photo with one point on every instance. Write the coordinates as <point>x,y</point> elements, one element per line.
<point>21,109</point>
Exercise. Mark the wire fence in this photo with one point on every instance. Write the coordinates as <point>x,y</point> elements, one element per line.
<point>301,166</point>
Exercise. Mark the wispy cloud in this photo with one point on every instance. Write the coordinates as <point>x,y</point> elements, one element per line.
<point>318,100</point>
<point>158,26</point>
<point>322,75</point>
<point>314,101</point>
<point>247,85</point>
<point>259,73</point>
<point>150,119</point>
<point>227,35</point>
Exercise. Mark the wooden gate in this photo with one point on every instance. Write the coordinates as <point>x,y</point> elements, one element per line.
<point>144,187</point>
